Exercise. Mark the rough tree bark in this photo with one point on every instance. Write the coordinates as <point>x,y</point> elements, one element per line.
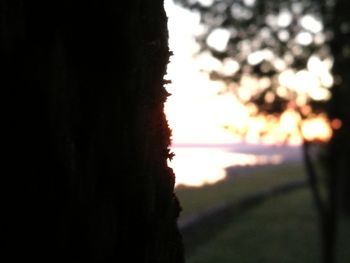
<point>88,141</point>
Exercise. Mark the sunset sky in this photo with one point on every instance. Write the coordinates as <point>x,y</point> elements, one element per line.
<point>197,114</point>
<point>198,110</point>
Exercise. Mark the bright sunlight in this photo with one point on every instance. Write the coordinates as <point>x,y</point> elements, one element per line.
<point>200,112</point>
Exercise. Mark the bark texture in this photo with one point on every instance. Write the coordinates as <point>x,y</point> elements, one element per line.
<point>87,139</point>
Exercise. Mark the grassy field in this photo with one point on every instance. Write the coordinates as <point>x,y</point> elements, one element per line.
<point>282,229</point>
<point>236,186</point>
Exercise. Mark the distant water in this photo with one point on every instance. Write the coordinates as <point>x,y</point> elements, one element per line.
<point>197,165</point>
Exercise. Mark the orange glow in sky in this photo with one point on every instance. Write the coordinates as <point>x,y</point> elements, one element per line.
<point>199,112</point>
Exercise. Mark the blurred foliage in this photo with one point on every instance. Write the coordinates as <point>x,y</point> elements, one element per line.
<point>289,54</point>
<point>267,43</point>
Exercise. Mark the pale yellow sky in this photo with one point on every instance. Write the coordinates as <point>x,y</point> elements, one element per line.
<point>197,114</point>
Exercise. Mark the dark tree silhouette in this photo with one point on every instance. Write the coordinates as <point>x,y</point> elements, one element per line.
<point>270,40</point>
<point>87,142</point>
<point>337,158</point>
<point>339,103</point>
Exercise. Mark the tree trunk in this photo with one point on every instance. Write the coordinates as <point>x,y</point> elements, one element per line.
<point>88,141</point>
<point>339,103</point>
<point>326,209</point>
